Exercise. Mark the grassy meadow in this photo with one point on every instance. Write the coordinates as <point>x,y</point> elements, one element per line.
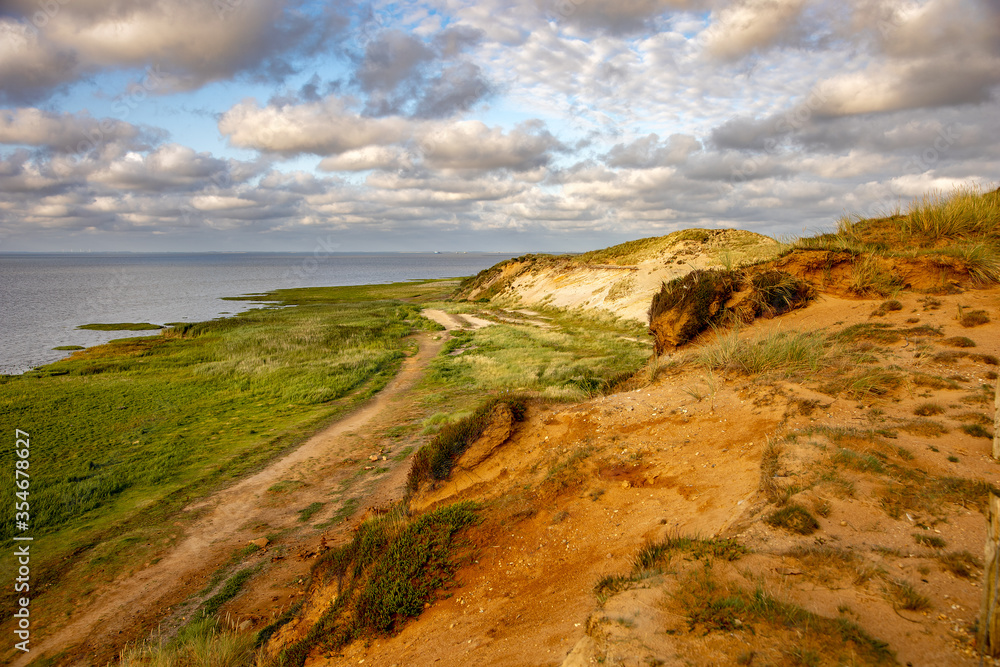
<point>575,356</point>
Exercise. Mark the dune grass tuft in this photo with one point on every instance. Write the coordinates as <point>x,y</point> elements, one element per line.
<point>793,518</point>
<point>204,642</point>
<point>778,352</point>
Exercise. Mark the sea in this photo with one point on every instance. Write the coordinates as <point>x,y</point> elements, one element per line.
<point>44,297</point>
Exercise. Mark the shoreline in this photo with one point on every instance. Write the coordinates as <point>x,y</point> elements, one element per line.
<point>51,294</point>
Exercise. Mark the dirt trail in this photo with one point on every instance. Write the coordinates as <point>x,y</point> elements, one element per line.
<point>141,599</point>
<point>456,321</point>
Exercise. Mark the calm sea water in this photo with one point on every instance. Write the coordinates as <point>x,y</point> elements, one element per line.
<point>44,297</point>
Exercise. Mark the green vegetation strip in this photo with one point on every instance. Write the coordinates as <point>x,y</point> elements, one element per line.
<point>228,592</point>
<point>578,357</point>
<point>121,326</point>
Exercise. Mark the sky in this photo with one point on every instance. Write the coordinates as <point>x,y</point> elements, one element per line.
<point>492,125</point>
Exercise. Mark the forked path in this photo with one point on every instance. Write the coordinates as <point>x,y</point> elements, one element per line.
<point>142,597</point>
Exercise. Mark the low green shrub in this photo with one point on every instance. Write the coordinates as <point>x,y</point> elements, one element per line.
<point>389,571</point>
<point>794,518</point>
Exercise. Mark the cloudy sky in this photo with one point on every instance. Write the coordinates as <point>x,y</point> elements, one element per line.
<point>480,124</point>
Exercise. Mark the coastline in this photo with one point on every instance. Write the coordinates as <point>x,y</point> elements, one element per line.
<point>51,294</point>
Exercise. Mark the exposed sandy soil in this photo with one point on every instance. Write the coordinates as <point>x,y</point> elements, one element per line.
<point>455,320</point>
<point>626,287</point>
<point>577,489</point>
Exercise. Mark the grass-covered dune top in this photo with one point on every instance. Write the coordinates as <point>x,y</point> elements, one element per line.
<point>940,243</point>
<point>678,249</point>
<point>121,326</point>
<point>123,434</point>
<point>937,240</point>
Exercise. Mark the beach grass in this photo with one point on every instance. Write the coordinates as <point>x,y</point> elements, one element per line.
<point>961,226</point>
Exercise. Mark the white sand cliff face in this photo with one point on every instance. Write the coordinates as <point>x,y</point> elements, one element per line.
<point>625,285</point>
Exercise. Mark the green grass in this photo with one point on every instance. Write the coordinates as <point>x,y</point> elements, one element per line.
<point>566,472</point>
<point>871,277</point>
<point>959,341</point>
<point>69,347</point>
<point>343,513</point>
<point>967,212</point>
<point>121,326</point>
<point>932,541</point>
<point>656,554</point>
<point>414,291</point>
<point>165,413</point>
<point>973,318</point>
<point>928,409</point>
<point>711,606</point>
<point>237,557</point>
<point>940,222</point>
<point>877,332</point>
<point>976,431</point>
<point>204,642</point>
<point>887,307</point>
<point>915,490</point>
<point>307,513</point>
<point>769,466</point>
<point>863,462</point>
<point>230,590</point>
<point>904,596</point>
<point>578,357</point>
<point>962,564</point>
<point>654,557</point>
<point>925,427</point>
<point>959,230</point>
<point>871,382</point>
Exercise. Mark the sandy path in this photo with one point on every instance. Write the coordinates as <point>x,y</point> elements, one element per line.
<point>457,321</point>
<point>147,594</point>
